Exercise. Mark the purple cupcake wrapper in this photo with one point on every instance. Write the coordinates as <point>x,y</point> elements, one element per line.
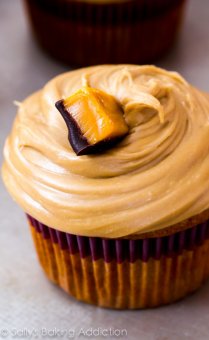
<point>124,249</point>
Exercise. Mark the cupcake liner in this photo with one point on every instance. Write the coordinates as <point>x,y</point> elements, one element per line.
<point>101,13</point>
<point>87,33</point>
<point>123,273</point>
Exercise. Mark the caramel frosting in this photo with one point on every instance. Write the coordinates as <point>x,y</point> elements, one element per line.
<point>156,177</point>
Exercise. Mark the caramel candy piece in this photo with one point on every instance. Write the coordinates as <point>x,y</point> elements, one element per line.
<point>94,119</point>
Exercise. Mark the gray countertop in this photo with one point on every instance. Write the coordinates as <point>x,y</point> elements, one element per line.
<point>27,300</point>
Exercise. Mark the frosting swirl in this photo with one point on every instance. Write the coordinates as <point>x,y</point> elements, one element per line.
<point>156,177</point>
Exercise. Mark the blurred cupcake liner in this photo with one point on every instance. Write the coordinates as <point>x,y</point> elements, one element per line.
<point>123,273</point>
<point>86,33</point>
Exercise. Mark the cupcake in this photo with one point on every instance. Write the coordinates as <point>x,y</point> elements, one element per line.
<point>89,32</point>
<point>110,164</point>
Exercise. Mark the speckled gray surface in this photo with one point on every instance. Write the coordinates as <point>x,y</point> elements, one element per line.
<point>28,302</point>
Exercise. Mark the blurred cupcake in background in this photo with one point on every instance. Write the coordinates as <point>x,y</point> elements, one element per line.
<point>87,32</point>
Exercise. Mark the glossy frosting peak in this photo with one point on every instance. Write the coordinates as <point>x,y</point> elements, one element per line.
<point>156,177</point>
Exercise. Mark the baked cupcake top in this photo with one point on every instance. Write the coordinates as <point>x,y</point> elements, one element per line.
<point>155,177</point>
<point>102,1</point>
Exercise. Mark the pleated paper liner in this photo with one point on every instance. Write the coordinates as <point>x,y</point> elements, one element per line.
<point>85,33</point>
<point>122,273</point>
